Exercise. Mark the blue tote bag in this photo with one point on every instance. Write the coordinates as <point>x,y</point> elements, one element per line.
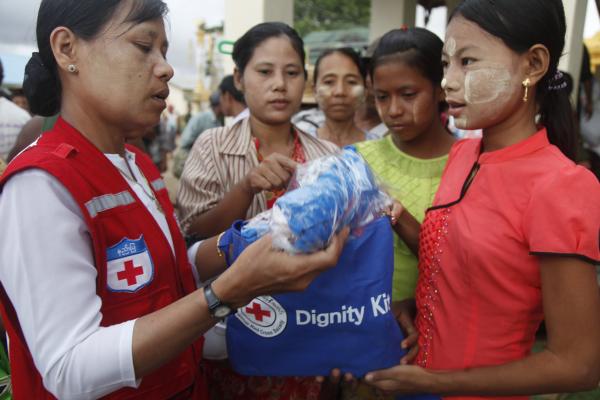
<point>342,320</point>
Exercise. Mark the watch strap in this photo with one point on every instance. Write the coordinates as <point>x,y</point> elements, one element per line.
<point>213,301</point>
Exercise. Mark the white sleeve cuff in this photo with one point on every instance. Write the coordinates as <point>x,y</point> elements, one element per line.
<point>192,258</point>
<point>126,355</point>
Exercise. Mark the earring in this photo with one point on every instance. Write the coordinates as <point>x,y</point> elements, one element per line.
<point>71,68</point>
<point>526,84</point>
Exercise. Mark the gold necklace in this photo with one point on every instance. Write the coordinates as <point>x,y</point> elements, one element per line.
<point>131,177</point>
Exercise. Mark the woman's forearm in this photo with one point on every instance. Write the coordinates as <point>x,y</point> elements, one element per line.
<point>233,206</point>
<point>408,228</point>
<point>162,335</point>
<point>209,261</point>
<point>543,372</point>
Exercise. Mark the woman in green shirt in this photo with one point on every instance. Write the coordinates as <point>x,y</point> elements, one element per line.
<point>406,72</point>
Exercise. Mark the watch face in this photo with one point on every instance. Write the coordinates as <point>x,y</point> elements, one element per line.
<point>222,311</point>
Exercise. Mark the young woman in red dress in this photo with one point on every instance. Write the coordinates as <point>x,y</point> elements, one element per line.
<point>512,236</point>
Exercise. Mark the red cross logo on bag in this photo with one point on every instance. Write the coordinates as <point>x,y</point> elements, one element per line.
<point>264,316</point>
<point>258,312</point>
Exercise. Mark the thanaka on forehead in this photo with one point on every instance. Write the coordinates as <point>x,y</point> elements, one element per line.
<point>472,33</point>
<point>449,48</point>
<point>460,51</point>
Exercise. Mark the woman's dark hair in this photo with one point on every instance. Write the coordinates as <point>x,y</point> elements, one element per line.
<point>520,27</point>
<point>85,18</point>
<point>345,51</point>
<point>228,86</point>
<point>419,48</point>
<point>244,47</point>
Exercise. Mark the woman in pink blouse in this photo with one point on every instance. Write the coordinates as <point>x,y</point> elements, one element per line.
<point>512,237</point>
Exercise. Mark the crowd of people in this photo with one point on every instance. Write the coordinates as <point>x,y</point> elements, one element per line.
<point>109,289</point>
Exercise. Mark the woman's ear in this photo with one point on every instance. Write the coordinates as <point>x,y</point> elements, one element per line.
<point>537,61</point>
<point>64,45</point>
<point>238,80</point>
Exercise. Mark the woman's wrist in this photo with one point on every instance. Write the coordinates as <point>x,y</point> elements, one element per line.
<point>228,291</point>
<point>246,187</point>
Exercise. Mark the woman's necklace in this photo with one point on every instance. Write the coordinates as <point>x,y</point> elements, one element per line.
<point>130,176</point>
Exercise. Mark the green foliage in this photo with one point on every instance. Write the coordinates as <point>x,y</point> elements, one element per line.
<point>319,15</point>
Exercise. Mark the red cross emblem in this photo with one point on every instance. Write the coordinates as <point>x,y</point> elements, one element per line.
<point>130,273</point>
<point>258,312</point>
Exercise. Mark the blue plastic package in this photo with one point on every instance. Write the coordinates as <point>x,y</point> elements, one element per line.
<point>328,194</point>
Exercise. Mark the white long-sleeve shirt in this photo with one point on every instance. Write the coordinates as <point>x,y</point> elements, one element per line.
<point>47,269</point>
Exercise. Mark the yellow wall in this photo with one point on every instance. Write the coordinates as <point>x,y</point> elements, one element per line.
<point>593,45</point>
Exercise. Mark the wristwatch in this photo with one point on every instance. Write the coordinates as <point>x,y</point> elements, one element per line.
<point>216,308</point>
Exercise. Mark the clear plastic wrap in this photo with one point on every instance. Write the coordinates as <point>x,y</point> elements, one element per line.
<point>326,195</point>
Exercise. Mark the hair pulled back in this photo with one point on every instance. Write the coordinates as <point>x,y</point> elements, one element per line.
<point>85,18</point>
<point>227,85</point>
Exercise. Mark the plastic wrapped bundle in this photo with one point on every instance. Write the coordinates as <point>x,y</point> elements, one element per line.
<point>327,195</point>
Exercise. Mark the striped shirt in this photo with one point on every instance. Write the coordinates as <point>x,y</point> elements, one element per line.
<point>222,157</point>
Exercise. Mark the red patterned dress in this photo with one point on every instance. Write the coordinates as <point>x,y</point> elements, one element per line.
<point>479,295</point>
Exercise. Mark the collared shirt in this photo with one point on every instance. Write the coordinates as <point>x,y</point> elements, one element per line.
<point>243,115</point>
<point>12,119</point>
<point>221,158</point>
<point>479,292</point>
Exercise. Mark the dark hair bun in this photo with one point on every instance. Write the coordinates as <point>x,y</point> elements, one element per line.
<point>41,88</point>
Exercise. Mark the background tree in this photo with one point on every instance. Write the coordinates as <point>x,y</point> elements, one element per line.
<point>320,15</point>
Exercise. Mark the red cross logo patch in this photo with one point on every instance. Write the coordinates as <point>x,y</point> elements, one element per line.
<point>264,316</point>
<point>128,266</point>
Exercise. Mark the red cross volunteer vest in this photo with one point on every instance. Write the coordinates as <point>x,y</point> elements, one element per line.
<point>137,271</point>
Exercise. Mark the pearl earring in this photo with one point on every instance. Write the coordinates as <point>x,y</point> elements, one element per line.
<point>72,68</point>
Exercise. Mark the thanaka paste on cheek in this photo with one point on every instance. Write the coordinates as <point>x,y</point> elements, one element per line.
<point>323,92</point>
<point>486,85</point>
<point>358,93</point>
<point>461,122</point>
<point>379,112</point>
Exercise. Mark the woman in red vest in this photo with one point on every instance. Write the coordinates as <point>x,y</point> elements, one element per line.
<point>98,295</point>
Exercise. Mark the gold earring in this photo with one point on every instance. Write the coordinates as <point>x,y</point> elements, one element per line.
<point>71,68</point>
<point>526,84</point>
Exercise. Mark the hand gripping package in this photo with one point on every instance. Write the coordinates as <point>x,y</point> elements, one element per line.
<point>343,319</point>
